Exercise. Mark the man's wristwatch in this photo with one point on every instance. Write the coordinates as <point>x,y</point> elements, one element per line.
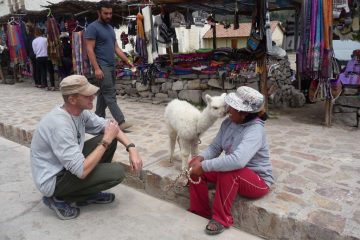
<point>104,143</point>
<point>129,146</point>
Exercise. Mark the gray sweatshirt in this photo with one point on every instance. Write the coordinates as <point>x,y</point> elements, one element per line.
<point>245,145</point>
<point>55,146</point>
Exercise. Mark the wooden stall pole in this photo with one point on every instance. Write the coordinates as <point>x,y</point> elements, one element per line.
<point>296,40</point>
<point>214,33</point>
<point>263,79</point>
<point>328,112</point>
<point>171,56</point>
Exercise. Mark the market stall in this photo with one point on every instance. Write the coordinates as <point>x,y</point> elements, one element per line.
<point>228,67</point>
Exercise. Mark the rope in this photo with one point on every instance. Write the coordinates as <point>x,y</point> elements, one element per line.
<point>185,173</point>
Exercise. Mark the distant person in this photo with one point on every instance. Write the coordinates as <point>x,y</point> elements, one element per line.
<point>244,169</point>
<point>66,56</point>
<point>31,54</point>
<point>43,64</point>
<point>69,171</point>
<point>2,48</point>
<point>101,45</point>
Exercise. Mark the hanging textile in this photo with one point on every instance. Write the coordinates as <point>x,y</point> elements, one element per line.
<point>3,38</point>
<point>81,63</point>
<point>150,36</point>
<point>314,54</point>
<point>140,37</point>
<point>16,44</point>
<point>54,44</point>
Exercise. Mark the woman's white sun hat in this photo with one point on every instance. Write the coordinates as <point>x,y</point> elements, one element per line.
<point>245,99</point>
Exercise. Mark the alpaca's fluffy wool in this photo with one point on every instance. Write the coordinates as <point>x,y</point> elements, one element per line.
<point>187,123</point>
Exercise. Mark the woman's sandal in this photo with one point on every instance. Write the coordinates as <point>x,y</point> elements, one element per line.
<point>219,228</point>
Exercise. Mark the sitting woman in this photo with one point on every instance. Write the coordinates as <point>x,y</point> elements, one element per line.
<point>245,168</point>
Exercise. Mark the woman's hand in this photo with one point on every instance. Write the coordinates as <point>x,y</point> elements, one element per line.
<point>195,159</point>
<point>196,168</point>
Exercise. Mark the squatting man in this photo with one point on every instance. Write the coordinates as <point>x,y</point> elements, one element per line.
<point>69,171</point>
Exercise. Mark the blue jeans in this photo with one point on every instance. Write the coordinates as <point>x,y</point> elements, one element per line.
<point>107,96</point>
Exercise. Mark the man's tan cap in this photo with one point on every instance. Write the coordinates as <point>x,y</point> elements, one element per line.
<point>77,84</point>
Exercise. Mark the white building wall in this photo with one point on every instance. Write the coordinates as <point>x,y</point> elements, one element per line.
<point>4,7</point>
<point>278,36</point>
<point>36,4</point>
<point>33,5</point>
<point>195,40</point>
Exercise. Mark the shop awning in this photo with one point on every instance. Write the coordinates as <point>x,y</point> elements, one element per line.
<point>226,7</point>
<point>26,14</point>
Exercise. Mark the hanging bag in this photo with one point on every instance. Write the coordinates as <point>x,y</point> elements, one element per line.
<point>255,34</point>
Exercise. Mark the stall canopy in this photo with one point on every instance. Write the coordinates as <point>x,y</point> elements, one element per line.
<point>121,9</point>
<point>226,7</point>
<point>26,14</point>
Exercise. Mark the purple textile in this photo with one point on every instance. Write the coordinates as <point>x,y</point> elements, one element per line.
<point>353,66</point>
<point>349,79</point>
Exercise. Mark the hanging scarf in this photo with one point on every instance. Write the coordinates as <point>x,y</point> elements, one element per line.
<point>81,63</point>
<point>315,48</point>
<point>140,37</point>
<point>16,44</point>
<point>54,44</point>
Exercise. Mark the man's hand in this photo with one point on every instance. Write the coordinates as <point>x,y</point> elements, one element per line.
<point>135,160</point>
<point>99,74</point>
<point>111,130</point>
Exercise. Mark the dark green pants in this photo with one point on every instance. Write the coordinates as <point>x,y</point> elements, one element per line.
<point>104,176</point>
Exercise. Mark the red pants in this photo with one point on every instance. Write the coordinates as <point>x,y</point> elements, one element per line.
<point>243,181</point>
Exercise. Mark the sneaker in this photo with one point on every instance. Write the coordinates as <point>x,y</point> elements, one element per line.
<point>98,198</point>
<point>125,125</point>
<point>63,210</point>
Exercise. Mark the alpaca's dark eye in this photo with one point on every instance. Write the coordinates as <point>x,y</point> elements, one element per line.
<point>216,108</point>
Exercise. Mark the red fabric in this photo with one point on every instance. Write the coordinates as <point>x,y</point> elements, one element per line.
<point>243,181</point>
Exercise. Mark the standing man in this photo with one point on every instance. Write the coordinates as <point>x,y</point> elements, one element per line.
<point>43,64</point>
<point>2,47</point>
<point>101,45</point>
<point>69,171</point>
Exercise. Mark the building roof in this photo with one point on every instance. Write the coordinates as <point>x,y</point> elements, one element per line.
<point>243,31</point>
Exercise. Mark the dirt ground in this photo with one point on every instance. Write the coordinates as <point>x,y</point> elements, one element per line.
<point>313,113</point>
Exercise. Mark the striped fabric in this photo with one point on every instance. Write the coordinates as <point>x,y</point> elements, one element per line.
<point>54,44</point>
<point>315,52</point>
<point>16,44</point>
<point>140,37</point>
<point>81,63</point>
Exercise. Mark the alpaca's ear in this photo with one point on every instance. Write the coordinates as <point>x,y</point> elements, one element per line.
<point>208,98</point>
<point>223,95</point>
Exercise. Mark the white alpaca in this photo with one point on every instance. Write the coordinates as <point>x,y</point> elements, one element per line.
<point>187,123</point>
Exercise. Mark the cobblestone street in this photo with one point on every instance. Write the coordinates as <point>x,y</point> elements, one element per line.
<point>317,169</point>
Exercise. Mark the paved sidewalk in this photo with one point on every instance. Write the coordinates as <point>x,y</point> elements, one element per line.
<point>133,215</point>
<point>316,195</point>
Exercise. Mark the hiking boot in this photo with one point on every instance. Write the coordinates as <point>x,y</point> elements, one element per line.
<point>62,209</point>
<point>125,125</point>
<point>98,198</point>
